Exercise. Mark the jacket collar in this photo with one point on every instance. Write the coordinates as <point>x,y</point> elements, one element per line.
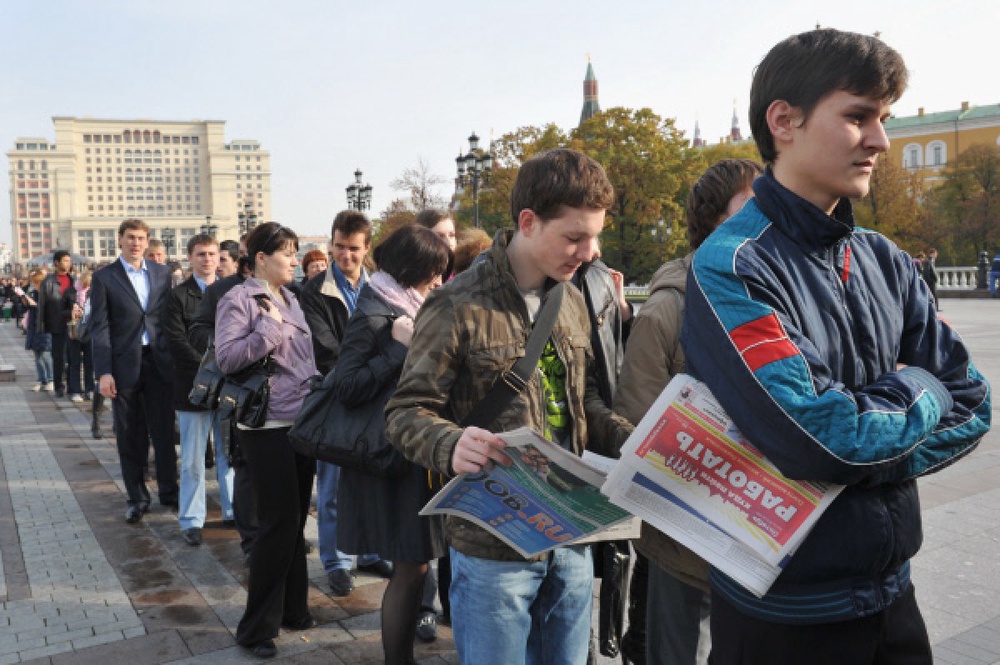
<point>254,289</point>
<point>799,219</point>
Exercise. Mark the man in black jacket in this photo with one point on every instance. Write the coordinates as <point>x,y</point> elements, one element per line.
<point>56,305</point>
<point>195,422</point>
<point>328,300</point>
<point>201,331</point>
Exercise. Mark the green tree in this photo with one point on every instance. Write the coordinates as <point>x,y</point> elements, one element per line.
<point>649,164</point>
<point>966,205</point>
<point>893,206</point>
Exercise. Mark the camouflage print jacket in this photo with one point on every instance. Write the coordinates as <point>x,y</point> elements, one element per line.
<point>467,333</point>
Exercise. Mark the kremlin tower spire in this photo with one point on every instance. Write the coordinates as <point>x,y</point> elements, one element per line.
<point>697,142</point>
<point>734,134</point>
<point>591,106</point>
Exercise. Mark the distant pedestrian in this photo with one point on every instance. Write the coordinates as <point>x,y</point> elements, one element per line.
<point>931,275</point>
<point>36,341</point>
<point>995,276</point>
<point>56,305</point>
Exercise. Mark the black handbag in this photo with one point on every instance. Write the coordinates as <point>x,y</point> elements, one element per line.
<point>208,381</point>
<point>245,394</point>
<point>354,438</point>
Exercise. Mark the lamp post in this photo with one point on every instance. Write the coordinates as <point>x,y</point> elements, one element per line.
<point>168,236</point>
<point>474,169</point>
<point>208,228</point>
<point>359,196</point>
<point>248,218</point>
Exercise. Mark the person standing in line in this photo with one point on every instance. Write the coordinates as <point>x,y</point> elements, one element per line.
<point>80,356</point>
<point>678,600</point>
<point>822,344</point>
<point>134,366</point>
<point>995,275</point>
<point>201,331</point>
<point>931,275</point>
<point>505,608</point>
<point>257,319</point>
<point>39,343</point>
<point>381,514</point>
<point>229,257</point>
<point>328,300</point>
<point>56,306</point>
<point>196,423</point>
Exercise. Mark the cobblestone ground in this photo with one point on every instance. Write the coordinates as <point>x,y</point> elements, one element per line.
<point>78,585</point>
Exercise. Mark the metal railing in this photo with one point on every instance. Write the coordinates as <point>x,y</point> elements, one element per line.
<point>951,278</point>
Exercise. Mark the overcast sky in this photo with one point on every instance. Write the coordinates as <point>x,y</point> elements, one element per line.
<point>328,86</point>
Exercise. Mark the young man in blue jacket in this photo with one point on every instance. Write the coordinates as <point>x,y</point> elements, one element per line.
<point>822,342</point>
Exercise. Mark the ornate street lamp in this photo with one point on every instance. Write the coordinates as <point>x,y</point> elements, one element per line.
<point>248,218</point>
<point>168,236</point>
<point>474,169</point>
<point>208,228</point>
<point>359,196</point>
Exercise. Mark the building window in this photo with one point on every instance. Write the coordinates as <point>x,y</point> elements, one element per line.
<point>106,242</point>
<point>937,153</point>
<point>911,156</point>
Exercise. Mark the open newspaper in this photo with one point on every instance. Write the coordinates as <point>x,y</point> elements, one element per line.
<point>548,498</point>
<point>687,471</point>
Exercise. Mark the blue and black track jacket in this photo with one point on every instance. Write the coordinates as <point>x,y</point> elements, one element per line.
<point>821,342</point>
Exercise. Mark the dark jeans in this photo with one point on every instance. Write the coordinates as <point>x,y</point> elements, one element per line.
<point>895,636</point>
<point>59,348</point>
<point>278,580</point>
<point>80,355</point>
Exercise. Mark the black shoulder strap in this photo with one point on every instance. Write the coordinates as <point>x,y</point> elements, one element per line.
<point>511,383</point>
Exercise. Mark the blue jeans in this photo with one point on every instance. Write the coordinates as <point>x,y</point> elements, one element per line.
<point>43,366</point>
<point>994,280</point>
<point>195,427</point>
<point>523,612</point>
<point>327,481</point>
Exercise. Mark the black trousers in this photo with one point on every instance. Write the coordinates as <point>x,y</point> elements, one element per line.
<point>278,581</point>
<point>60,341</point>
<point>895,636</point>
<point>142,413</point>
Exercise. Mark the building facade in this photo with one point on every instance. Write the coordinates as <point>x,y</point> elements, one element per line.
<point>72,193</point>
<point>928,142</point>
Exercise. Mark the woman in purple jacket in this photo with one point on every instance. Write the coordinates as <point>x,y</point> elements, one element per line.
<point>247,331</point>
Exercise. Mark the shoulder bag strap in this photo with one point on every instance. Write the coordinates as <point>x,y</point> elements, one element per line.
<point>512,382</point>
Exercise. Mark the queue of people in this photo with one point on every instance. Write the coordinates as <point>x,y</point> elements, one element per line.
<point>820,340</point>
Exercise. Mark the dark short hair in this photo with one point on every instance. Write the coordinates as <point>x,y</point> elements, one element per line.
<point>269,238</point>
<point>413,255</point>
<point>231,247</point>
<point>201,239</point>
<point>805,68</point>
<point>429,217</point>
<point>133,224</point>
<point>711,194</point>
<point>349,222</point>
<point>58,255</point>
<point>155,243</point>
<point>556,178</point>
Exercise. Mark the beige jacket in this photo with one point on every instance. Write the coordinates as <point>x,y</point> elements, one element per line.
<point>653,356</point>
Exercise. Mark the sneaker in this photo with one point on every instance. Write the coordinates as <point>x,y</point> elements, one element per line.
<point>48,387</point>
<point>427,629</point>
<point>40,386</point>
<point>76,397</point>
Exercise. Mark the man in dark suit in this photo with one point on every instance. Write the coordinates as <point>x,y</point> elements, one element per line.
<point>134,366</point>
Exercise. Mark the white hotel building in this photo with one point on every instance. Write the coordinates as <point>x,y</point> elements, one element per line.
<point>72,193</point>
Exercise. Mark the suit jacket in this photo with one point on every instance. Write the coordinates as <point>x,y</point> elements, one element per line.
<point>181,306</point>
<point>118,321</point>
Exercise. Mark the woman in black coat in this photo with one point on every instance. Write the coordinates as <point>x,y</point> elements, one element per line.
<point>377,514</point>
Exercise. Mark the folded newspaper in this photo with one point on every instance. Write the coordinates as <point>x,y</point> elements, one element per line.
<point>548,498</point>
<point>687,471</point>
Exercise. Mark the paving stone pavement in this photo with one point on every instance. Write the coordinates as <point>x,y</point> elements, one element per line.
<point>78,585</point>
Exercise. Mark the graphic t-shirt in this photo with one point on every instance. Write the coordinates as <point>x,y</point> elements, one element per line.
<point>558,424</point>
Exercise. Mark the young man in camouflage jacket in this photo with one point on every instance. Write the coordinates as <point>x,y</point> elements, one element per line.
<point>504,608</point>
